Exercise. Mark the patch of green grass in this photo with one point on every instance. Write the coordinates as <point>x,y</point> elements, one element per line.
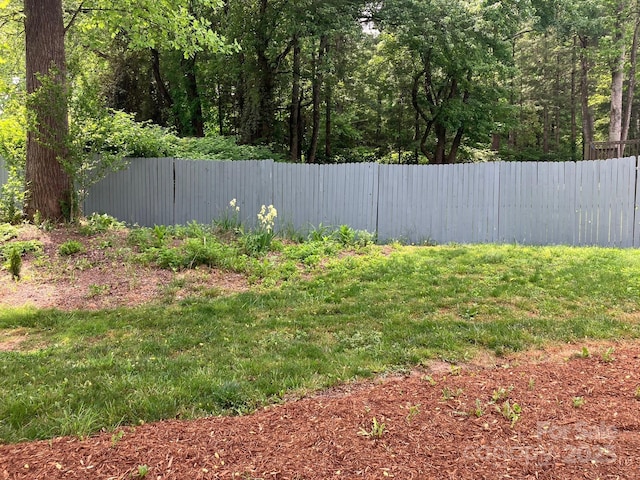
<point>352,316</point>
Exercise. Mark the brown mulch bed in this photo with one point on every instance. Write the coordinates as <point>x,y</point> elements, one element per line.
<point>329,436</point>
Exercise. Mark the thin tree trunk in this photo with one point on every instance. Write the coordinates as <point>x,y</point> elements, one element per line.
<point>316,89</point>
<point>587,116</point>
<point>441,138</point>
<point>48,184</point>
<point>220,108</point>
<point>615,114</point>
<point>455,145</point>
<point>294,127</point>
<point>574,126</point>
<point>633,60</point>
<point>157,76</point>
<point>327,121</point>
<point>194,104</point>
<point>617,79</point>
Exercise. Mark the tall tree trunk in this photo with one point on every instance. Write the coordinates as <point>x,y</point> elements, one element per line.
<point>157,76</point>
<point>327,120</point>
<point>194,104</point>
<point>49,186</point>
<point>631,85</point>
<point>316,89</point>
<point>587,116</point>
<point>545,129</point>
<point>455,145</point>
<point>617,79</point>
<point>294,127</point>
<point>615,114</point>
<point>441,138</point>
<point>574,126</point>
<point>220,107</point>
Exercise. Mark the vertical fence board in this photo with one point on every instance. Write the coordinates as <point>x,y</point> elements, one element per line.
<point>4,173</point>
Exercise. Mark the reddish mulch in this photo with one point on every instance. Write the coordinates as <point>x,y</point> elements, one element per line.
<point>424,436</point>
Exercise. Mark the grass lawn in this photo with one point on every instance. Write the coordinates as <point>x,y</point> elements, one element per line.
<point>377,310</point>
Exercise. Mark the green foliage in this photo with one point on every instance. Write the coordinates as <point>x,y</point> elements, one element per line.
<point>376,431</point>
<point>215,147</point>
<point>15,262</point>
<point>229,221</point>
<point>12,158</point>
<point>259,240</point>
<point>7,232</point>
<point>510,411</point>
<point>12,252</point>
<point>99,223</point>
<point>70,247</point>
<point>23,247</point>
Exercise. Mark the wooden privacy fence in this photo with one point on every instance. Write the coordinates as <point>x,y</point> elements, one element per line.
<point>583,203</point>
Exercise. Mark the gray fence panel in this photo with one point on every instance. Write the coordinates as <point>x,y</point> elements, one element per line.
<point>584,203</point>
<point>141,194</point>
<point>4,173</point>
<point>604,202</point>
<point>441,203</point>
<point>401,208</point>
<point>332,195</point>
<point>204,189</point>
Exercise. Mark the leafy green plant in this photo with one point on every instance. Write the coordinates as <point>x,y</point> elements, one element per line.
<point>160,233</point>
<point>448,394</point>
<point>7,232</point>
<point>70,247</point>
<point>414,411</point>
<point>96,290</point>
<point>510,412</point>
<point>607,355</point>
<point>22,246</point>
<point>376,431</point>
<point>321,233</point>
<point>259,240</point>
<point>12,196</point>
<point>345,235</point>
<point>116,437</point>
<point>477,410</point>
<point>500,394</point>
<point>637,393</point>
<point>429,379</point>
<point>584,353</point>
<point>577,402</point>
<point>99,223</point>
<point>143,471</point>
<point>14,262</point>
<point>229,221</point>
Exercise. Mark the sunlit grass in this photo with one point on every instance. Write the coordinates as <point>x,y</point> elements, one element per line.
<point>356,316</point>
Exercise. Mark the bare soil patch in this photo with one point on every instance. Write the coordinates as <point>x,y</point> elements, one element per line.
<point>101,276</point>
<point>548,414</point>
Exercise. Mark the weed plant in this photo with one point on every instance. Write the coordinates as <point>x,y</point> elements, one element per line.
<point>70,247</point>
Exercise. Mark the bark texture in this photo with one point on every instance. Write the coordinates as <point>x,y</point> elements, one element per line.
<point>49,186</point>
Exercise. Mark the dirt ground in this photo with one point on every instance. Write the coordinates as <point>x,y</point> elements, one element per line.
<point>554,414</point>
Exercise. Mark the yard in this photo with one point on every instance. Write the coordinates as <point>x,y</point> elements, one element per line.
<point>165,353</point>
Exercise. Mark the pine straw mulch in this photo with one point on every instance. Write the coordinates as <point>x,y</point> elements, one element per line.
<point>425,435</point>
